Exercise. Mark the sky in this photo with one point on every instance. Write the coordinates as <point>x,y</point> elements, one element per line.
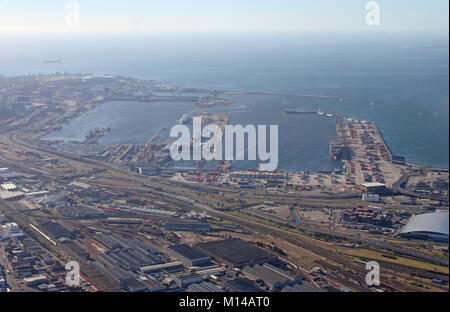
<point>214,15</point>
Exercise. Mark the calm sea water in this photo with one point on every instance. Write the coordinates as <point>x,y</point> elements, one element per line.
<point>399,81</point>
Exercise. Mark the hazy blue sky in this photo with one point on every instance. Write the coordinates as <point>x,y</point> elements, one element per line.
<point>45,15</point>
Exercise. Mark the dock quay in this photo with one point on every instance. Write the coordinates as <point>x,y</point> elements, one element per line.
<point>155,136</point>
<point>366,155</point>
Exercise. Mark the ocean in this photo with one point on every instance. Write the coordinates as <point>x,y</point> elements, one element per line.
<point>398,80</point>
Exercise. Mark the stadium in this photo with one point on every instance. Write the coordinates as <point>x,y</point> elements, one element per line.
<point>429,226</point>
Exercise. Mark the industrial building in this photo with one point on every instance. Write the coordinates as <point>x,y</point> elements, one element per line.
<point>429,226</point>
<point>35,280</point>
<point>10,196</point>
<point>55,200</point>
<point>115,241</point>
<point>373,187</point>
<point>188,255</point>
<point>204,287</point>
<point>272,277</point>
<point>171,267</point>
<point>185,279</point>
<point>303,287</point>
<point>127,281</point>
<point>126,253</point>
<point>81,185</point>
<point>7,174</point>
<point>13,230</point>
<point>241,285</point>
<point>187,226</point>
<point>236,253</point>
<point>57,230</point>
<point>132,285</point>
<point>128,259</point>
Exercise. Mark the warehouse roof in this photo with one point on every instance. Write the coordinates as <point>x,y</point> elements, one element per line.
<point>430,223</point>
<point>204,287</point>
<point>303,287</point>
<point>271,275</point>
<point>188,252</point>
<point>242,285</point>
<point>373,184</point>
<point>236,252</point>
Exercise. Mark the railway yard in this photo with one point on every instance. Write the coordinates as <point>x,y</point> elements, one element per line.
<point>134,222</point>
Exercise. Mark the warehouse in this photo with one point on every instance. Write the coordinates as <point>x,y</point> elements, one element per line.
<point>80,185</point>
<point>8,175</point>
<point>35,280</point>
<point>116,241</point>
<point>132,285</point>
<point>115,274</point>
<point>55,200</point>
<point>204,287</point>
<point>303,287</point>
<point>107,241</point>
<point>236,253</point>
<point>188,255</point>
<point>185,279</point>
<point>273,277</point>
<point>170,267</point>
<point>126,253</point>
<point>373,188</point>
<point>11,196</point>
<point>128,259</point>
<point>57,231</point>
<point>241,285</point>
<point>429,226</point>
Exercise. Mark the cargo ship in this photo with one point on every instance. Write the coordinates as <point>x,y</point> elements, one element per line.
<point>56,61</point>
<point>296,111</point>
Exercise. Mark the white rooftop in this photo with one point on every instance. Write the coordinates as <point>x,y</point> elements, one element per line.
<point>428,222</point>
<point>373,184</point>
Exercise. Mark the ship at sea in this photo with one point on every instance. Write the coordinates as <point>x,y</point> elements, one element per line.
<point>55,61</point>
<point>296,111</point>
<point>320,113</point>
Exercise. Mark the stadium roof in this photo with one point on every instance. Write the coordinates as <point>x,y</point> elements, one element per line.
<point>436,223</point>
